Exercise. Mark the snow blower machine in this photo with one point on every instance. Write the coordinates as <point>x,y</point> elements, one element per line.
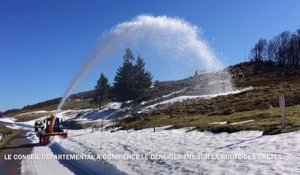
<point>49,128</point>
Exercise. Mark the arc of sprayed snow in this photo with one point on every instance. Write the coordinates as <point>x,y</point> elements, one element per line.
<point>180,36</point>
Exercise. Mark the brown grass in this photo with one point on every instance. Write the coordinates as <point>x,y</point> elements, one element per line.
<point>263,121</point>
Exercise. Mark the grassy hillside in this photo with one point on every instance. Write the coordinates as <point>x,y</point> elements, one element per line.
<point>263,74</point>
<point>29,114</point>
<point>5,130</point>
<point>267,120</point>
<point>9,134</point>
<point>260,104</point>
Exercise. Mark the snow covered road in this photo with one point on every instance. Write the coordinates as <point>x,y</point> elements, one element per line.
<point>45,167</point>
<point>54,159</point>
<point>257,154</point>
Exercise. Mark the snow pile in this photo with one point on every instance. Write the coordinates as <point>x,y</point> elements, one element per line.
<point>259,154</point>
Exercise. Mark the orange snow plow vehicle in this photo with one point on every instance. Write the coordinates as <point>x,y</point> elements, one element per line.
<point>48,129</point>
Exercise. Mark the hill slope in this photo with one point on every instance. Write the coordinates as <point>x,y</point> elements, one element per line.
<point>260,104</point>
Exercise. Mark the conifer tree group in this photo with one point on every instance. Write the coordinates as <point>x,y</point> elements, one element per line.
<point>131,82</point>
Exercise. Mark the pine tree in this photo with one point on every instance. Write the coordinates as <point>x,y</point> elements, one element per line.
<point>142,80</point>
<point>102,89</point>
<point>124,80</point>
<point>132,81</point>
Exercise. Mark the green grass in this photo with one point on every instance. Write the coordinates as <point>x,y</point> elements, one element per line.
<point>263,120</point>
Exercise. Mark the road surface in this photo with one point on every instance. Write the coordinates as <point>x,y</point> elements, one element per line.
<point>20,145</point>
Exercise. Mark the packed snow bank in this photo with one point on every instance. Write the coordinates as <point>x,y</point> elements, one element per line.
<point>245,152</point>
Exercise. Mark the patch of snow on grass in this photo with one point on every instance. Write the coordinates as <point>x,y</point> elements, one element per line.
<point>106,113</point>
<point>164,96</point>
<point>185,97</point>
<point>7,120</point>
<point>112,105</point>
<point>11,123</point>
<point>242,122</point>
<point>218,123</point>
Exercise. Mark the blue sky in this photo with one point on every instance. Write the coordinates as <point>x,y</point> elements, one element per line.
<point>44,43</point>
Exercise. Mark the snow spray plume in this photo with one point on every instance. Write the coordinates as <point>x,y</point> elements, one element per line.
<point>163,34</point>
<point>100,53</point>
